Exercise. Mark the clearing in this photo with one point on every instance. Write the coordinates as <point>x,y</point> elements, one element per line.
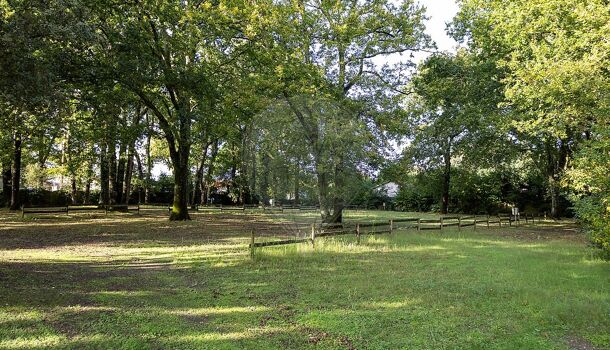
<point>142,282</point>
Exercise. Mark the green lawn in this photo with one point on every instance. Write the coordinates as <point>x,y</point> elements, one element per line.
<point>128,282</point>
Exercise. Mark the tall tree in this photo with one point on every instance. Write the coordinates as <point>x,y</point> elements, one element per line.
<point>177,57</point>
<point>331,48</point>
<point>555,55</point>
<point>453,113</point>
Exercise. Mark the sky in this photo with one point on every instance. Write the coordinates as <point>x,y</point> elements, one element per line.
<point>440,13</point>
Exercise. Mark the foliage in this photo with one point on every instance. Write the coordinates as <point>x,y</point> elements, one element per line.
<point>590,184</point>
<point>555,55</point>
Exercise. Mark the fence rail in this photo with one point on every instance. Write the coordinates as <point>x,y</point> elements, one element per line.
<point>79,208</point>
<point>374,228</point>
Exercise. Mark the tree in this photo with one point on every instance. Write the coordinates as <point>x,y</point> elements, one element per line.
<point>452,113</point>
<point>178,59</point>
<point>555,57</point>
<point>31,93</point>
<point>330,49</point>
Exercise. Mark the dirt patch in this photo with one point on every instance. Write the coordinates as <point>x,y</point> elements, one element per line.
<point>265,319</point>
<point>568,232</point>
<point>316,336</point>
<point>577,343</point>
<point>197,319</point>
<point>67,328</point>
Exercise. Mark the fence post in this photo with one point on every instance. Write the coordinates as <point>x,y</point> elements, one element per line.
<point>313,235</point>
<point>441,223</point>
<point>391,225</point>
<point>487,220</point>
<point>358,233</point>
<point>252,243</point>
<point>475,223</point>
<point>418,224</point>
<point>22,212</point>
<point>459,223</point>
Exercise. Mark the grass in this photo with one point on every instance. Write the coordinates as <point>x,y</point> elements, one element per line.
<point>128,282</point>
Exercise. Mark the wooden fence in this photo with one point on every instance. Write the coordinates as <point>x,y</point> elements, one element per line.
<point>79,208</point>
<point>382,227</point>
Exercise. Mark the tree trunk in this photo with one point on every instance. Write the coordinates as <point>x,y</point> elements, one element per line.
<point>16,174</point>
<point>325,207</point>
<point>120,173</point>
<point>140,175</point>
<point>178,139</point>
<point>73,192</point>
<point>446,180</point>
<point>181,190</point>
<point>112,171</point>
<point>128,175</point>
<point>89,179</point>
<point>252,198</point>
<point>198,187</point>
<point>557,160</point>
<point>331,205</point>
<point>264,187</point>
<point>297,184</point>
<point>205,193</point>
<point>554,194</point>
<point>104,176</point>
<point>337,215</point>
<point>87,191</point>
<point>6,184</point>
<point>148,170</point>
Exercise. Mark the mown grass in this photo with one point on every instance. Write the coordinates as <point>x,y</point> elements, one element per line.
<point>125,282</point>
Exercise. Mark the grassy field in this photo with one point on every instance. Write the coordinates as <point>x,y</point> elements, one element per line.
<point>129,282</point>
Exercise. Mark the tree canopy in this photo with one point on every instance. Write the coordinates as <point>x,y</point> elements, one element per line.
<point>316,102</point>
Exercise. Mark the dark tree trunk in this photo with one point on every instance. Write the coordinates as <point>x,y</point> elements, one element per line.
<point>233,183</point>
<point>178,138</point>
<point>16,174</point>
<point>265,179</point>
<point>112,171</point>
<point>6,184</point>
<point>198,186</point>
<point>205,194</point>
<point>120,173</point>
<point>557,159</point>
<point>104,176</point>
<point>88,184</point>
<point>331,204</point>
<point>253,174</point>
<point>74,190</point>
<point>140,175</point>
<point>87,192</point>
<point>148,170</point>
<point>128,175</point>
<point>181,190</point>
<point>297,184</point>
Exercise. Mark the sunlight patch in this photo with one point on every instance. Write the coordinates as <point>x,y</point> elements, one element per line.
<point>218,310</point>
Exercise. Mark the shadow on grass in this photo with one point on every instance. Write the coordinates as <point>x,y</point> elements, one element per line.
<point>410,290</point>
